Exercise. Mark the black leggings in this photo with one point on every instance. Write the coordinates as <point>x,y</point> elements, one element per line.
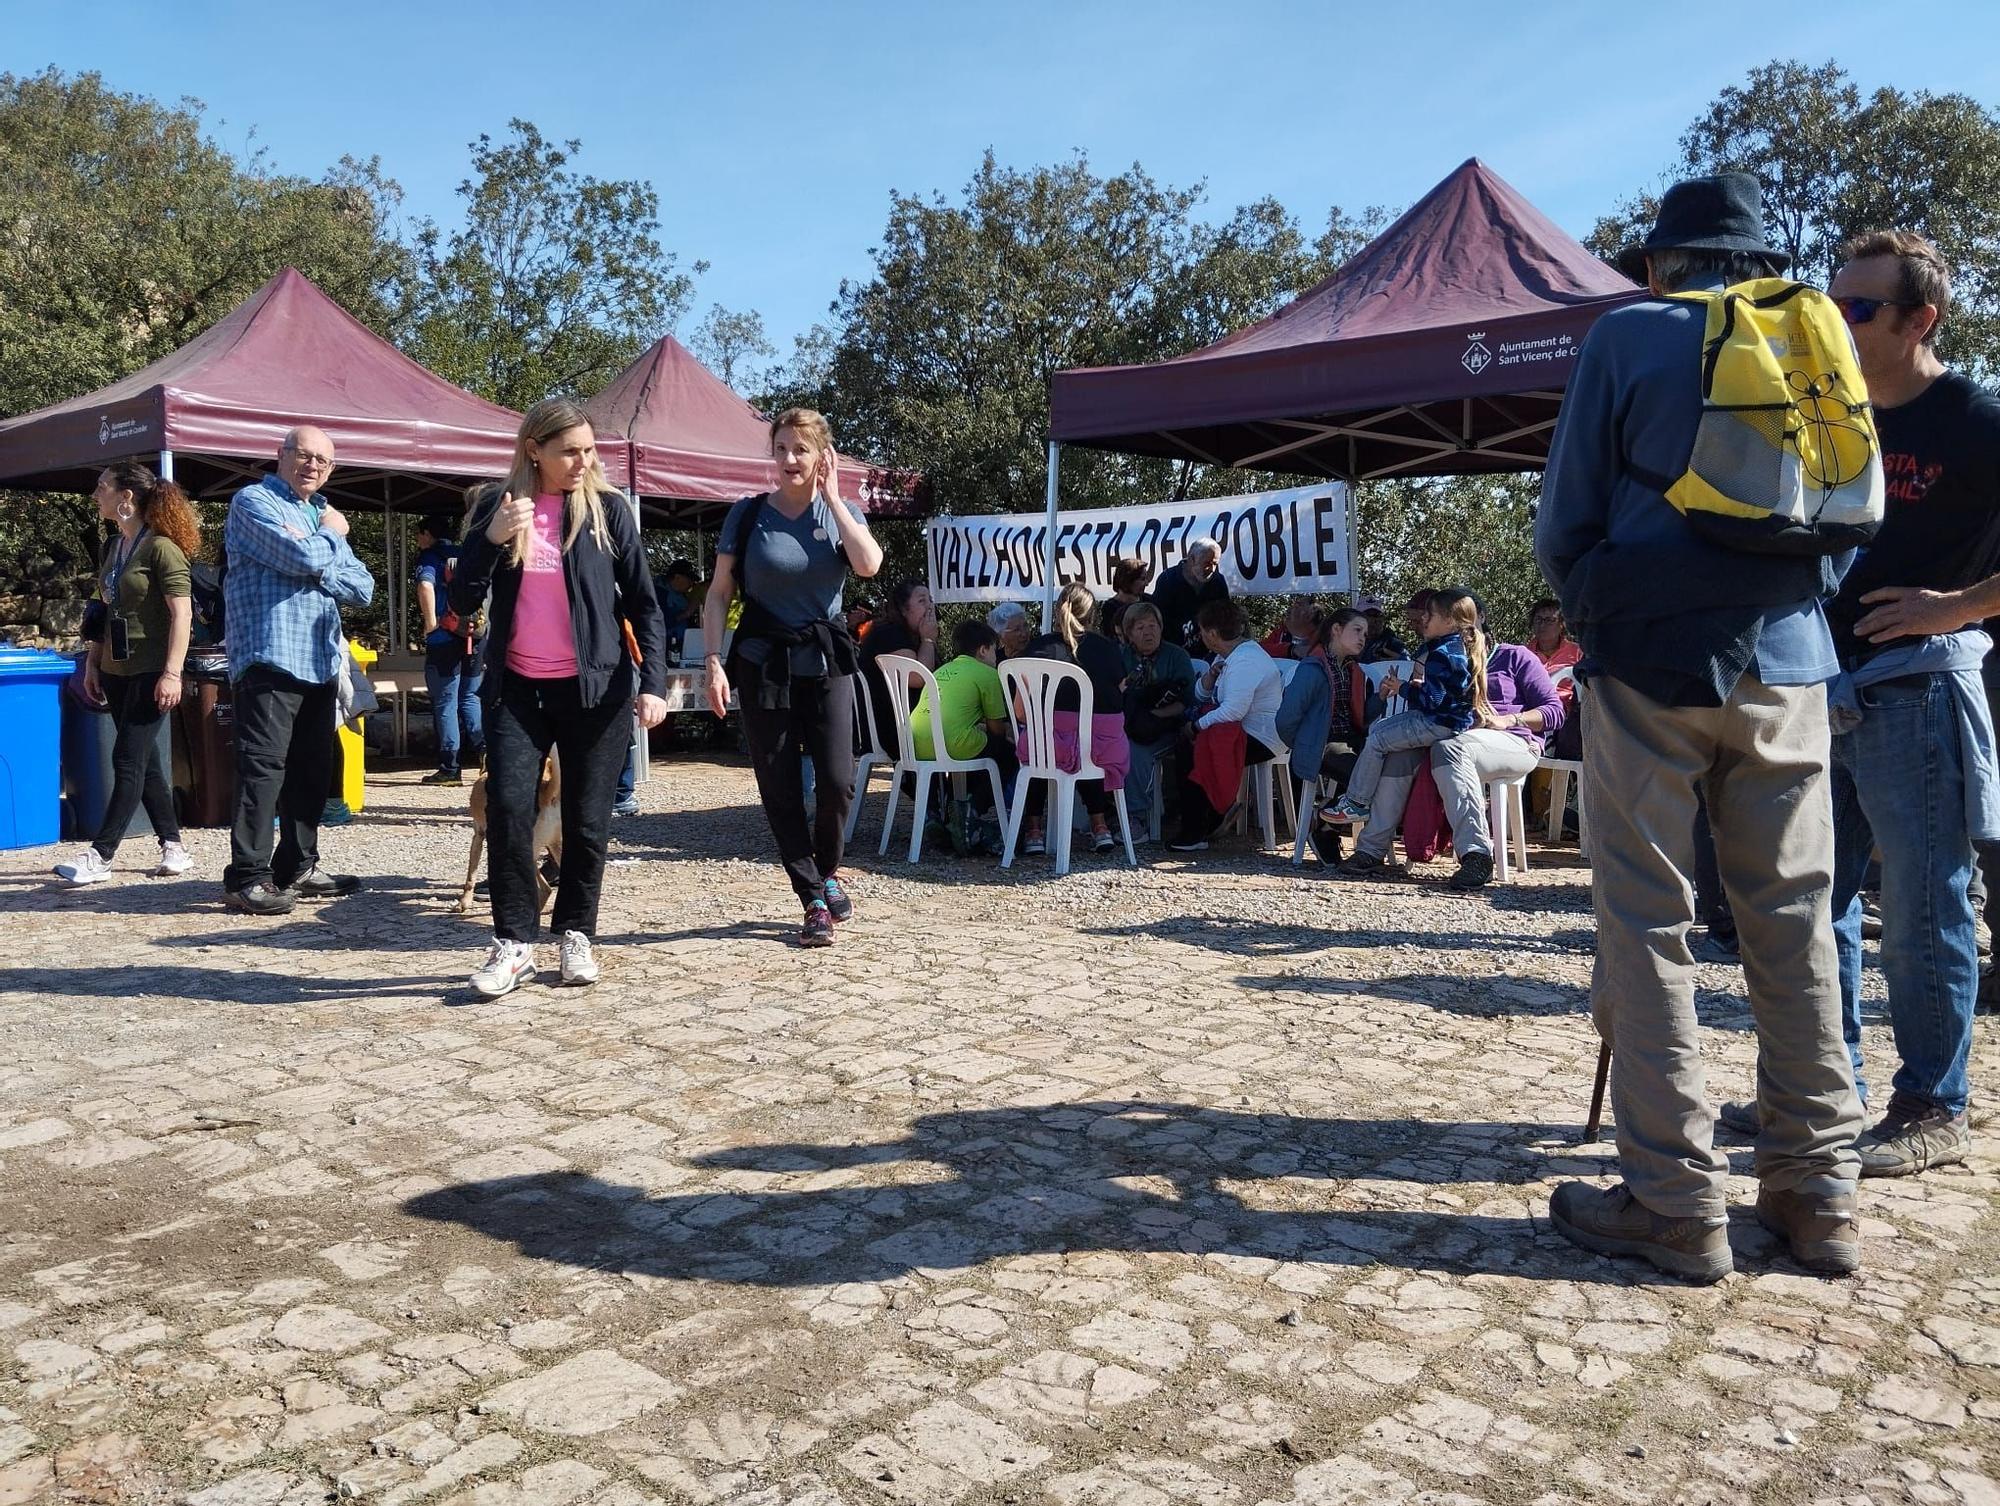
<point>523,722</point>
<point>819,724</point>
<point>136,775</point>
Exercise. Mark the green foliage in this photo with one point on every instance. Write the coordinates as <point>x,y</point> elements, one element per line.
<point>1471,531</point>
<point>554,283</point>
<point>942,360</point>
<point>725,342</point>
<point>126,231</point>
<point>1835,162</point>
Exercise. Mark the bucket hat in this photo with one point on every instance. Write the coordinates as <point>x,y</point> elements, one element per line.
<point>1720,213</point>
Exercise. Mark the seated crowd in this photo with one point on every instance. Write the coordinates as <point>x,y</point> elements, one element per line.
<point>1185,701</point>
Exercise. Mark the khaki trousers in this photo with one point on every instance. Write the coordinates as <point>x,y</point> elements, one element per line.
<point>1762,760</point>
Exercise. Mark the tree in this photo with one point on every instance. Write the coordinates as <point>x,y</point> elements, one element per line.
<point>1471,531</point>
<point>1835,162</point>
<point>724,341</point>
<point>943,359</point>
<point>126,231</point>
<point>555,282</point>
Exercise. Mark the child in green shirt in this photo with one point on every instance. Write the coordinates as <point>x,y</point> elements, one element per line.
<point>971,709</point>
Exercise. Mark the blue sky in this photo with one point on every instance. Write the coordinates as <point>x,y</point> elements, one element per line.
<point>775,132</point>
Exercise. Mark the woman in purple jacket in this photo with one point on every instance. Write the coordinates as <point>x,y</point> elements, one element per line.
<point>1525,710</point>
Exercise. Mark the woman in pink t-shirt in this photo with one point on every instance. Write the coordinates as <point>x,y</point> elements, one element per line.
<point>558,553</point>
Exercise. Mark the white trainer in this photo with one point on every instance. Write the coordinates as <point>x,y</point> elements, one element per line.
<point>87,867</point>
<point>174,861</point>
<point>579,964</point>
<point>508,965</point>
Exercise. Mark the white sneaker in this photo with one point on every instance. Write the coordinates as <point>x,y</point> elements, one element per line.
<point>508,965</point>
<point>174,861</point>
<point>578,964</point>
<point>87,867</point>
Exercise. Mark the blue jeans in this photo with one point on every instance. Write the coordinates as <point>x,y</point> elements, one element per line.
<point>1142,784</point>
<point>452,676</point>
<point>1899,784</point>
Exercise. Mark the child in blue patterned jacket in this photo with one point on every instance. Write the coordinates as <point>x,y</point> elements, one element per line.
<point>1447,695</point>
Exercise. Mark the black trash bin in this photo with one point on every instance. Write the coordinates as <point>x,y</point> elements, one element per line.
<point>208,732</point>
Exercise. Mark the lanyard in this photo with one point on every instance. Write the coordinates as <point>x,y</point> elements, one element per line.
<point>116,571</point>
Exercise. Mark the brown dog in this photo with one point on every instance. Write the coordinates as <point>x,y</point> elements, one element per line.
<point>548,831</point>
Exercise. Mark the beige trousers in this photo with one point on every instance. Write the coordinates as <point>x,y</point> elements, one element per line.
<point>1762,759</point>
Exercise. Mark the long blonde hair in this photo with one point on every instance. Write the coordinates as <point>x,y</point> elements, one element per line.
<point>541,423</point>
<point>1462,607</point>
<point>1075,606</point>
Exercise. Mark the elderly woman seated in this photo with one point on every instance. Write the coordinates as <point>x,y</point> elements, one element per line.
<point>1326,709</point>
<point>1525,710</point>
<point>1242,687</point>
<point>1010,621</point>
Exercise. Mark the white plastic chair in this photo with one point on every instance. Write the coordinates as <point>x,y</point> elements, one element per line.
<point>1031,686</point>
<point>898,671</point>
<point>1308,802</point>
<point>1262,789</point>
<point>1506,818</point>
<point>872,753</point>
<point>1561,769</point>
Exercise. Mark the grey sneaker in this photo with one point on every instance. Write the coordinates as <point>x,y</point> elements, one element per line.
<point>87,867</point>
<point>1823,1232</point>
<point>1613,1222</point>
<point>1912,1137</point>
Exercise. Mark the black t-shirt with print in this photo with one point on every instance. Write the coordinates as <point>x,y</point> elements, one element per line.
<point>1941,530</point>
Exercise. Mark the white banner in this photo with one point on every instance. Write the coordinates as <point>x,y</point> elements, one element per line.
<point>1273,543</point>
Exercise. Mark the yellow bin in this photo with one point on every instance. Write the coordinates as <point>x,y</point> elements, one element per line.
<point>352,744</point>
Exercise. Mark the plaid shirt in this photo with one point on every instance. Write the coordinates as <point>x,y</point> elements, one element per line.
<point>287,580</point>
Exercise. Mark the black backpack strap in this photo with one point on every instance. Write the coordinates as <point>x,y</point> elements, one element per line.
<point>743,537</point>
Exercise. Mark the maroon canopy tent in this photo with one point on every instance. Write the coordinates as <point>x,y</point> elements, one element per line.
<point>215,411</point>
<point>1442,347</point>
<point>696,446</point>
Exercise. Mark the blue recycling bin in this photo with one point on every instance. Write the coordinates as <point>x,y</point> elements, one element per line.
<point>87,737</point>
<point>31,682</point>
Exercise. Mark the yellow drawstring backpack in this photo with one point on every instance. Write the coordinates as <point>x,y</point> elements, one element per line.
<point>1786,459</point>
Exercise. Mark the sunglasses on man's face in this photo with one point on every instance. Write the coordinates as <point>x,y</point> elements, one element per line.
<point>1861,310</point>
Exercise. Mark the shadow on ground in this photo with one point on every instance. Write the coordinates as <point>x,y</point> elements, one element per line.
<point>1133,1177</point>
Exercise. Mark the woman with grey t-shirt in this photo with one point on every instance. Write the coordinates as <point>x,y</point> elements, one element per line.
<point>792,662</point>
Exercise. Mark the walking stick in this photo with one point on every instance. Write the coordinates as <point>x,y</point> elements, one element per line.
<point>1596,1119</point>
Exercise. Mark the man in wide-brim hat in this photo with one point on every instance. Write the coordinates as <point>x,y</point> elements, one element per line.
<point>1704,670</point>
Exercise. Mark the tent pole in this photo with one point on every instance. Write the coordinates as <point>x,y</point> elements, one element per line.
<point>1353,538</point>
<point>166,465</point>
<point>642,740</point>
<point>1049,550</point>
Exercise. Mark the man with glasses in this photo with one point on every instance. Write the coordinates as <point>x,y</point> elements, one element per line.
<point>1914,777</point>
<point>290,571</point>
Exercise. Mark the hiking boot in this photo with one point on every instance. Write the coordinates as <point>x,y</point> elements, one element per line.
<point>87,867</point>
<point>629,806</point>
<point>817,929</point>
<point>579,965</point>
<point>1361,865</point>
<point>174,861</point>
<point>1913,1136</point>
<point>1822,1230</point>
<point>443,776</point>
<point>1717,946</point>
<point>508,965</point>
<point>1740,1115</point>
<point>1613,1222</point>
<point>838,903</point>
<point>260,899</point>
<point>1475,871</point>
<point>313,884</point>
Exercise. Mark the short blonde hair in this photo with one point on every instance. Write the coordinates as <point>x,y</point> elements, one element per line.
<point>811,424</point>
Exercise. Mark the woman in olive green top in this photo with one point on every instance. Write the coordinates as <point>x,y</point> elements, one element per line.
<point>134,668</point>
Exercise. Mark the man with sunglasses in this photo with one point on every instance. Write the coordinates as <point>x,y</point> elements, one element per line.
<point>1914,777</point>
<point>290,572</point>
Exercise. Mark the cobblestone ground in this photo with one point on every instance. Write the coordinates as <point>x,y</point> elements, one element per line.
<point>1212,1183</point>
